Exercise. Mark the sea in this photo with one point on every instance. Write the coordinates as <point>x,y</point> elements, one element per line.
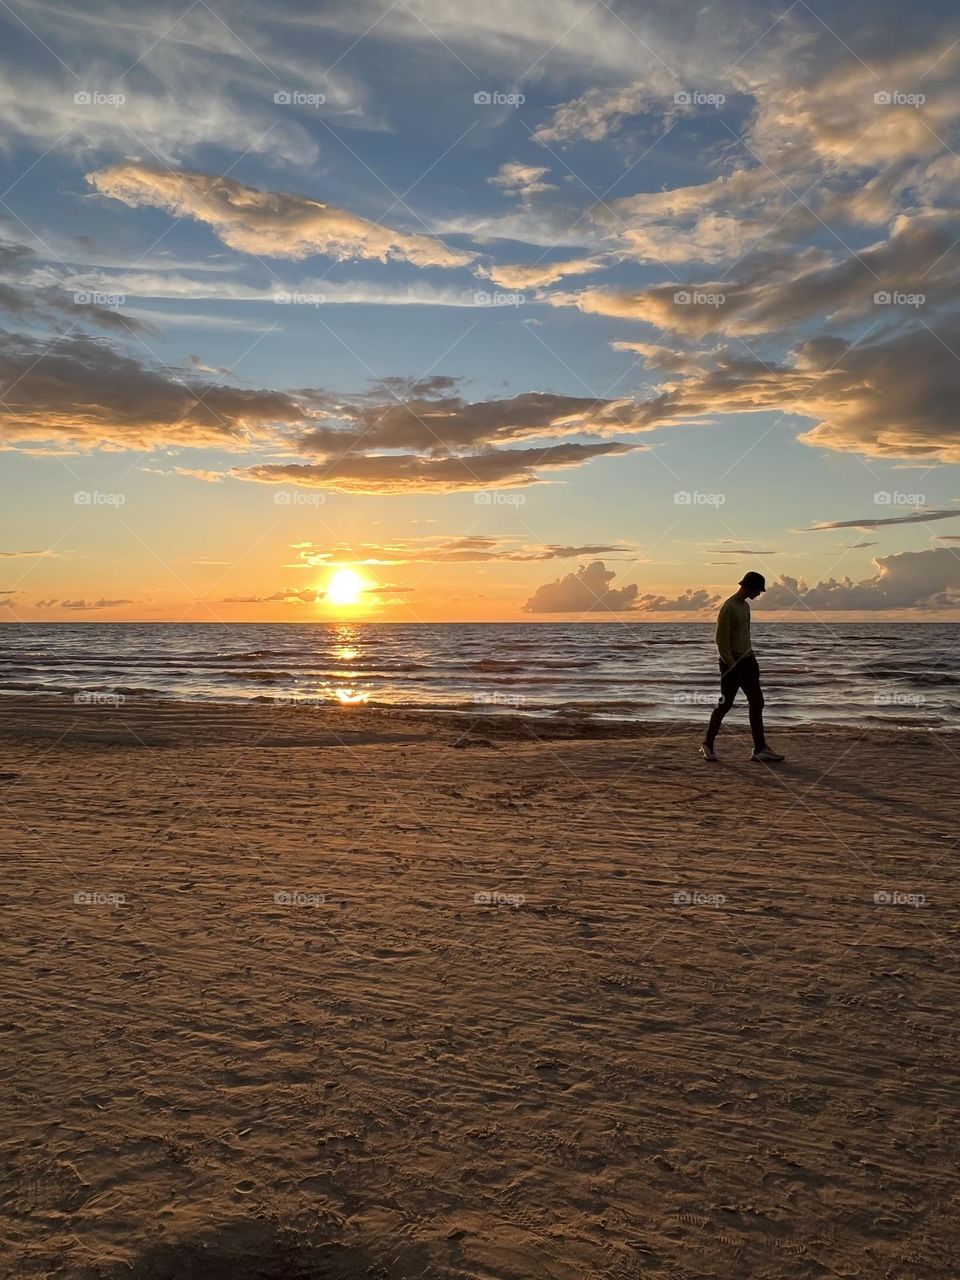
<point>896,674</point>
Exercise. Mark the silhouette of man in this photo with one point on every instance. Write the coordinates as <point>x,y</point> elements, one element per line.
<point>739,670</point>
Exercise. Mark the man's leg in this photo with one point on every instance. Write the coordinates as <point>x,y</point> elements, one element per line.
<point>754,692</point>
<point>729,683</point>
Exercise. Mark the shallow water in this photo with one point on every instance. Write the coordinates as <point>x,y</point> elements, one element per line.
<point>843,673</point>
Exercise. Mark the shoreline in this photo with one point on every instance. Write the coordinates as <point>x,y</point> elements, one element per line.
<point>552,723</point>
<point>62,713</point>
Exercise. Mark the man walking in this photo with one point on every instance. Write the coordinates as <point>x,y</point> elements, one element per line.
<point>739,670</point>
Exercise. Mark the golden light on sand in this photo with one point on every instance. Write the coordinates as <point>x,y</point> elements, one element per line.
<point>345,588</point>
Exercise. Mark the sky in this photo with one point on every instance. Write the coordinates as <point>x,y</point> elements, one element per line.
<point>500,312</point>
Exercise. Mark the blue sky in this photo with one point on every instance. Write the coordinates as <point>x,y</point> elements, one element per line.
<point>589,307</point>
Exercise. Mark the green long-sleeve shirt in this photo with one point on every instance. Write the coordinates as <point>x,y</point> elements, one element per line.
<point>733,630</point>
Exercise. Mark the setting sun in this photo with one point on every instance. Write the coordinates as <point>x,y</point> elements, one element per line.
<point>345,587</point>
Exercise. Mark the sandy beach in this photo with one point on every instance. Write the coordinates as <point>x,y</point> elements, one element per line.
<point>303,992</point>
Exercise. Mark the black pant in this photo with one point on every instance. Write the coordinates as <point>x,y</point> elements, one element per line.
<point>742,673</point>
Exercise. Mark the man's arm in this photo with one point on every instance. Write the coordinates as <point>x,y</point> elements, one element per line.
<point>724,637</point>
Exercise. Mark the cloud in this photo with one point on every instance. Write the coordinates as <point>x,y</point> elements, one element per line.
<point>595,115</point>
<point>288,595</point>
<point>538,274</point>
<point>892,397</point>
<point>311,292</point>
<point>446,549</point>
<point>915,580</point>
<point>729,547</point>
<point>657,356</point>
<point>29,555</point>
<point>395,416</point>
<point>781,290</point>
<point>38,293</point>
<point>79,389</point>
<point>690,601</point>
<point>523,180</point>
<point>274,224</point>
<point>401,436</point>
<point>874,522</point>
<point>587,590</point>
<point>416,473</point>
<point>82,605</point>
<point>190,79</point>
<point>422,437</point>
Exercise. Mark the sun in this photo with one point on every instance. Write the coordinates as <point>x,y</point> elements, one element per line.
<point>345,587</point>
